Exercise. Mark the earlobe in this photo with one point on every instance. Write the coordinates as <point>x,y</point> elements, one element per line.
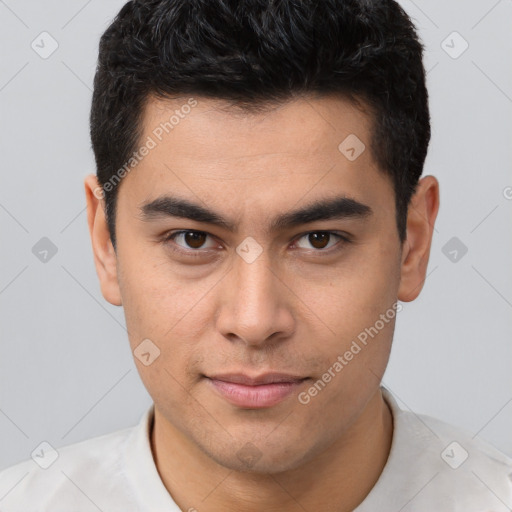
<point>421,218</point>
<point>105,258</point>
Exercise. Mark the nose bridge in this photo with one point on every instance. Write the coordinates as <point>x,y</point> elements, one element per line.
<point>255,284</point>
<point>253,309</point>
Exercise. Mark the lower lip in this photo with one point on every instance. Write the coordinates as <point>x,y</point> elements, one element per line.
<point>255,397</point>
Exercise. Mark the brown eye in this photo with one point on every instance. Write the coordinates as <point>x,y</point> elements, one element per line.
<point>195,239</point>
<point>191,241</point>
<point>319,240</point>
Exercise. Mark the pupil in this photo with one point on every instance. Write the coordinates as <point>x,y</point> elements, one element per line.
<point>319,240</point>
<point>194,240</point>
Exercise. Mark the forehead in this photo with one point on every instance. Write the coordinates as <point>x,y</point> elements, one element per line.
<point>223,155</point>
<point>305,127</point>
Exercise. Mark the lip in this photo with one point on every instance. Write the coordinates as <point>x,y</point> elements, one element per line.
<point>265,378</point>
<point>257,392</point>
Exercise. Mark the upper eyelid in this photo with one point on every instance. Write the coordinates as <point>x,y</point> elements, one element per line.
<point>343,238</point>
<point>341,234</point>
<point>169,236</point>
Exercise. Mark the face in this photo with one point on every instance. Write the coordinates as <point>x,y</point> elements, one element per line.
<point>251,245</point>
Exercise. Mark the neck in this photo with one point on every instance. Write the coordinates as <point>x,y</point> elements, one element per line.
<point>339,478</point>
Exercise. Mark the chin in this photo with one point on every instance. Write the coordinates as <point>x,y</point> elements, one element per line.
<point>271,458</point>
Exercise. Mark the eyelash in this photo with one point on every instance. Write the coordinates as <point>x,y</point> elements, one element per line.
<point>197,253</point>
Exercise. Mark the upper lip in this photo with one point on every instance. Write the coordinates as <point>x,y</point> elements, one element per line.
<point>266,378</point>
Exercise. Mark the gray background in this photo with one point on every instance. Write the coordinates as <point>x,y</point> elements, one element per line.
<point>66,371</point>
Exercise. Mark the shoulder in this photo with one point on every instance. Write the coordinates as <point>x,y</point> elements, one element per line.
<point>464,442</point>
<point>439,466</point>
<point>458,447</point>
<point>55,479</point>
<point>471,471</point>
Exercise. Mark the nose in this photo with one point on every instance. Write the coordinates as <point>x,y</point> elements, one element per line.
<point>255,306</point>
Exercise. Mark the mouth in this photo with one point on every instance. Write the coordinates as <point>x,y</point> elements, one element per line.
<point>257,392</point>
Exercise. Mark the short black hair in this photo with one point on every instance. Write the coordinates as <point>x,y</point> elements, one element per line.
<point>256,53</point>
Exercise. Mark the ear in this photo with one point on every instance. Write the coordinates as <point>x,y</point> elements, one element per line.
<point>105,257</point>
<point>421,217</point>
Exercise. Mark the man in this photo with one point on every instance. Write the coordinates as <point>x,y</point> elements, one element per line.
<point>258,212</point>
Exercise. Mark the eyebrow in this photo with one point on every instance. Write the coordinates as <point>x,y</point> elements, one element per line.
<point>339,208</point>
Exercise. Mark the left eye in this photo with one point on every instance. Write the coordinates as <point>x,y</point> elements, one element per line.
<point>318,240</point>
<point>192,239</point>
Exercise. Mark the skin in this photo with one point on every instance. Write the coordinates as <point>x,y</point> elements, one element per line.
<point>294,309</point>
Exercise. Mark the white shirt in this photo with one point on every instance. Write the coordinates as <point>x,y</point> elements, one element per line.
<point>432,467</point>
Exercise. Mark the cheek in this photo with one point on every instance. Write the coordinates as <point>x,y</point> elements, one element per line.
<point>350,297</point>
<point>357,307</point>
<point>174,314</point>
<point>168,318</point>
<point>157,298</point>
